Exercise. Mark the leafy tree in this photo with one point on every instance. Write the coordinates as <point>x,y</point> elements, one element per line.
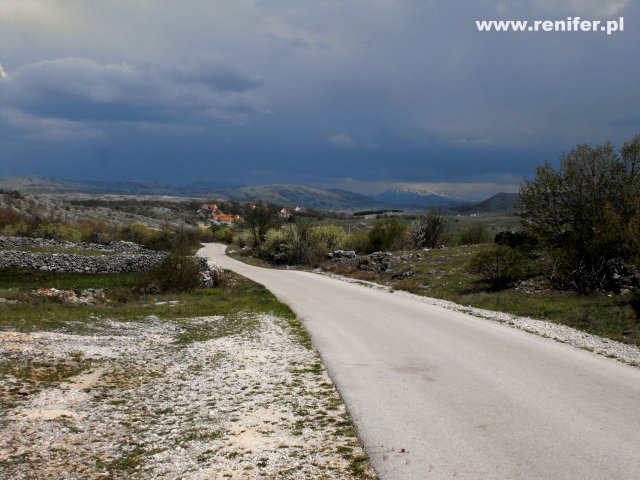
<point>429,230</point>
<point>304,246</point>
<point>329,237</point>
<point>587,211</point>
<point>299,243</point>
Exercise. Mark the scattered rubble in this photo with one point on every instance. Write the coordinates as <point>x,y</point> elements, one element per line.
<point>343,254</point>
<point>211,274</point>
<point>377,262</point>
<point>70,297</point>
<point>404,275</point>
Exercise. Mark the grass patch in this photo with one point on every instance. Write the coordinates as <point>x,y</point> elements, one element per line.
<point>128,463</point>
<point>23,374</point>
<point>201,436</point>
<point>198,331</point>
<point>235,251</point>
<point>29,279</point>
<point>243,298</point>
<point>358,465</point>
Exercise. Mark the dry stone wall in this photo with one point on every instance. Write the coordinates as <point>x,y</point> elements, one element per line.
<point>117,247</point>
<point>118,257</point>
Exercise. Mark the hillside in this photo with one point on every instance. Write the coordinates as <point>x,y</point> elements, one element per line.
<point>414,198</point>
<point>36,184</point>
<point>499,203</point>
<point>279,194</point>
<point>310,197</point>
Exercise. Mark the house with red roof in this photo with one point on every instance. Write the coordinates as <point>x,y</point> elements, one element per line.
<point>226,219</point>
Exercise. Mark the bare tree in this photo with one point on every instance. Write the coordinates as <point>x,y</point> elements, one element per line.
<point>430,230</point>
<point>259,219</point>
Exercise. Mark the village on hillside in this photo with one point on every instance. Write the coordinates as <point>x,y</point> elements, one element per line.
<point>211,214</point>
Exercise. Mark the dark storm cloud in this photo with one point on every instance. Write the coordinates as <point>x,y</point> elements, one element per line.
<point>379,90</point>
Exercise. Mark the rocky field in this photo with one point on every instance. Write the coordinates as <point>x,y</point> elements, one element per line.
<point>153,211</point>
<point>208,397</point>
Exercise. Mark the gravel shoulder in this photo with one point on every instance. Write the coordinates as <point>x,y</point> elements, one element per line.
<point>143,403</point>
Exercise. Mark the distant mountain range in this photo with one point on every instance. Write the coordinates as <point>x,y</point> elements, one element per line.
<point>414,198</point>
<point>35,184</point>
<point>309,197</point>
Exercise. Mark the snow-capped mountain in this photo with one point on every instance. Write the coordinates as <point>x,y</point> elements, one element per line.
<point>413,197</point>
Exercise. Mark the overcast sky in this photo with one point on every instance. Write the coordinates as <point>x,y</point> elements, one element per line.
<point>361,94</point>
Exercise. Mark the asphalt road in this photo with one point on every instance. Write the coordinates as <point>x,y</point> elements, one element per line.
<point>436,393</point>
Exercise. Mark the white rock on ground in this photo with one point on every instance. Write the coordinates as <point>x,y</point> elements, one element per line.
<point>252,404</point>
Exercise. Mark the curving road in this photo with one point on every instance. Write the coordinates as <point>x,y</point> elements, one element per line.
<point>436,393</point>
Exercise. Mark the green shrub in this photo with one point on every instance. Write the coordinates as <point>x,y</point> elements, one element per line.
<point>243,239</point>
<point>498,266</point>
<point>223,235</point>
<point>475,233</point>
<point>277,245</point>
<point>357,241</point>
<point>301,243</point>
<point>182,239</point>
<point>96,231</point>
<point>329,237</point>
<point>176,273</point>
<point>137,233</point>
<point>386,234</point>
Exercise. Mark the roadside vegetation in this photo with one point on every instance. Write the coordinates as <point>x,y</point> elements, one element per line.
<point>15,223</point>
<point>122,297</point>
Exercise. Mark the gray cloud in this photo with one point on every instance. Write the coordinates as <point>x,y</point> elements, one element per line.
<point>33,128</point>
<point>83,89</point>
<point>217,72</point>
<point>596,8</point>
<point>341,140</point>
